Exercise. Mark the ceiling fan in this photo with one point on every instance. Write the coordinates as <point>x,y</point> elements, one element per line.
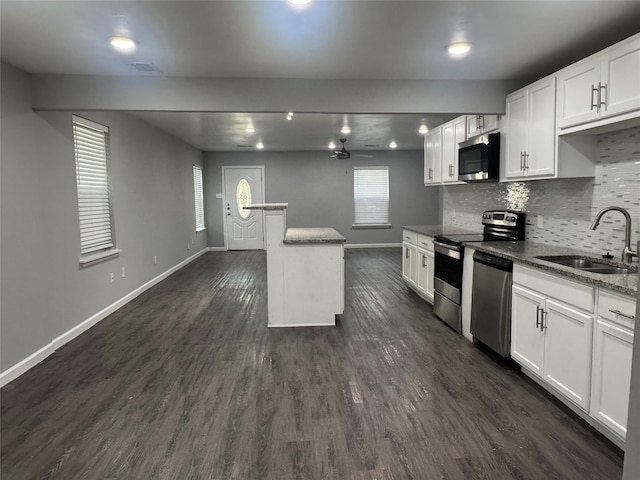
<point>344,154</point>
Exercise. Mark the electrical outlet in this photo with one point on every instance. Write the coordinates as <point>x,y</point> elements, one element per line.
<point>193,240</point>
<point>112,277</point>
<point>155,259</point>
<point>124,272</point>
<point>540,221</point>
<point>188,245</point>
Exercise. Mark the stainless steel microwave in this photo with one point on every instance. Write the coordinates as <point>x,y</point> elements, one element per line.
<point>479,159</point>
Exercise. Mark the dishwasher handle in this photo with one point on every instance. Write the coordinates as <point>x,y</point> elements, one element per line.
<point>493,261</point>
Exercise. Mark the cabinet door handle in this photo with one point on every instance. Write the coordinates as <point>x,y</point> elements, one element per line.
<point>430,173</point>
<point>539,317</point>
<point>406,253</point>
<point>481,122</point>
<point>596,91</point>
<point>526,161</point>
<point>618,312</point>
<point>522,161</point>
<point>540,313</point>
<point>602,99</point>
<point>423,261</point>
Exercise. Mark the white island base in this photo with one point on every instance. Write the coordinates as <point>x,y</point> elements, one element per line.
<point>305,272</point>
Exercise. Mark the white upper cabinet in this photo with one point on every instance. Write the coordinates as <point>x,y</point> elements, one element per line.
<point>441,152</point>
<point>480,124</point>
<point>601,86</point>
<point>452,134</point>
<point>433,157</point>
<point>530,135</point>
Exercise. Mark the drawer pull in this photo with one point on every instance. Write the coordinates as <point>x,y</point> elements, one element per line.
<point>426,244</point>
<point>618,312</point>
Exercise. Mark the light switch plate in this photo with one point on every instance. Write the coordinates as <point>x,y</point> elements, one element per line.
<point>540,221</point>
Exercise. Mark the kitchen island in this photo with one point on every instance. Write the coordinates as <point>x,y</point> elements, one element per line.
<point>305,271</point>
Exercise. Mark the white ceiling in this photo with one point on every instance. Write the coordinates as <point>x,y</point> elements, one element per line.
<point>395,40</point>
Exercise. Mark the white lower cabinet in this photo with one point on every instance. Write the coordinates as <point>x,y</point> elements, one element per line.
<point>581,351</point>
<point>417,263</point>
<point>425,273</point>
<point>613,348</point>
<point>527,340</point>
<point>409,267</point>
<point>551,338</point>
<point>567,352</point>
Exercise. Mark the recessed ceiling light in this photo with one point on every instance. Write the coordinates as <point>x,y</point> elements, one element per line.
<point>250,129</point>
<point>259,145</point>
<point>299,2</point>
<point>459,48</point>
<point>331,145</point>
<point>290,116</point>
<point>345,130</point>
<point>393,144</point>
<point>423,129</point>
<point>123,44</point>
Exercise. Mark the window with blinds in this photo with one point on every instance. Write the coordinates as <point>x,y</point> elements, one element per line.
<point>199,197</point>
<point>91,142</point>
<point>371,196</point>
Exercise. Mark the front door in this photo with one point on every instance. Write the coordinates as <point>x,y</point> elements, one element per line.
<point>243,228</point>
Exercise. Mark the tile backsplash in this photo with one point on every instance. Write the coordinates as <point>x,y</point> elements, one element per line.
<point>568,206</point>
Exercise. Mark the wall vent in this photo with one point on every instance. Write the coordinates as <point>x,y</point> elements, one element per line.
<point>144,67</point>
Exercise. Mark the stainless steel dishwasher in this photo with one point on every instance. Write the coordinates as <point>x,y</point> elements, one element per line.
<point>491,302</point>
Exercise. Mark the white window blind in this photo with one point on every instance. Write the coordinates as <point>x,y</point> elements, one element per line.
<point>199,197</point>
<point>91,142</point>
<point>371,195</point>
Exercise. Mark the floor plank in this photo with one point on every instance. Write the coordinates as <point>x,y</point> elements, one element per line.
<point>187,382</point>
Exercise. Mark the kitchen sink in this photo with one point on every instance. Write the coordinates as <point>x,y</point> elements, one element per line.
<point>593,265</point>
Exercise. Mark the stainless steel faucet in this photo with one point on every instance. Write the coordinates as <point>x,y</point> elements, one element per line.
<point>627,253</point>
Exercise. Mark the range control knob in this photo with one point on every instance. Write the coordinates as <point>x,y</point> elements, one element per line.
<point>511,219</point>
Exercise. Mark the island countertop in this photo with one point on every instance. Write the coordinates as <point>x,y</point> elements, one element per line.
<point>297,236</point>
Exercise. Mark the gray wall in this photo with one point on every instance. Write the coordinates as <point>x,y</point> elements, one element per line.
<point>319,190</point>
<point>44,291</point>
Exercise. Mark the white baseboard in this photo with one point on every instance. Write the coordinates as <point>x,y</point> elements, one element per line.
<point>372,245</point>
<point>19,368</point>
<point>32,360</point>
<point>216,249</point>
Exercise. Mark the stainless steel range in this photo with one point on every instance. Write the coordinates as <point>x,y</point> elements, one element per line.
<point>499,225</point>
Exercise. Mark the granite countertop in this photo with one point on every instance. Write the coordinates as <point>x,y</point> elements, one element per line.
<point>433,230</point>
<point>297,236</point>
<point>525,253</point>
<point>267,206</point>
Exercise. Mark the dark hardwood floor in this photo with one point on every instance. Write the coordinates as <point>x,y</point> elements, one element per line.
<point>187,382</point>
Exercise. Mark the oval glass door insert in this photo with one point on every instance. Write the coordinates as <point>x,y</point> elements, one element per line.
<point>243,198</point>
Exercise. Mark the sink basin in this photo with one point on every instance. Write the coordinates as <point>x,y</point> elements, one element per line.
<point>593,265</point>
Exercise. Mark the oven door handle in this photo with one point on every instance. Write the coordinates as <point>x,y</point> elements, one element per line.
<point>448,250</point>
<point>447,246</point>
<point>510,234</point>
